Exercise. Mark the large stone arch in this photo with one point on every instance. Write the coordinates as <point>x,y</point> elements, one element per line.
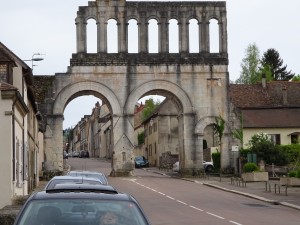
<point>186,115</point>
<point>65,95</point>
<point>158,86</point>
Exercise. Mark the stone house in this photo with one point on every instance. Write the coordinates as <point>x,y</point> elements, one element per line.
<point>21,135</point>
<point>268,107</point>
<point>161,133</point>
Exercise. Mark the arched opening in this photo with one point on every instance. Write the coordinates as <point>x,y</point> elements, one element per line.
<point>133,46</point>
<point>91,36</point>
<point>153,36</point>
<point>214,36</point>
<point>173,36</point>
<point>112,36</point>
<point>87,130</point>
<point>194,38</point>
<point>156,128</point>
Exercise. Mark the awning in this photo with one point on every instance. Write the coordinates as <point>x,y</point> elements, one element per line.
<point>294,133</point>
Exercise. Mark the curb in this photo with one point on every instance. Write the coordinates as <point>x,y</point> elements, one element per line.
<point>273,202</point>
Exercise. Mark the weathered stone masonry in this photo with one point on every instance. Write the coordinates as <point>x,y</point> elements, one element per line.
<point>196,82</point>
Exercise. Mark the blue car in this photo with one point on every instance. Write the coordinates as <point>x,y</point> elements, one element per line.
<point>141,161</point>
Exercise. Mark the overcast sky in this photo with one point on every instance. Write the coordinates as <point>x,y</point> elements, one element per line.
<point>48,27</point>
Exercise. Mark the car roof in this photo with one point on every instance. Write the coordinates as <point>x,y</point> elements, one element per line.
<point>85,172</point>
<point>97,192</point>
<point>66,177</point>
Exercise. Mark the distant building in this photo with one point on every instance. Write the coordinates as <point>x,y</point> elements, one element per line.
<point>270,107</point>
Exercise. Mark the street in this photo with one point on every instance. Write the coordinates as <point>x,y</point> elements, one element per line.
<point>170,201</point>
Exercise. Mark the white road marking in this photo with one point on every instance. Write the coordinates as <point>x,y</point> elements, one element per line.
<point>235,222</point>
<point>181,202</point>
<point>196,208</point>
<point>220,217</point>
<point>212,214</point>
<point>170,197</point>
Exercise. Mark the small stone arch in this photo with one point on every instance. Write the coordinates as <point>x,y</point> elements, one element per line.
<point>64,96</point>
<point>204,122</point>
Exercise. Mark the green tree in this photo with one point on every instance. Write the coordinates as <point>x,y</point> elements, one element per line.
<point>296,78</point>
<point>272,59</point>
<point>150,106</point>
<point>250,66</point>
<point>141,138</point>
<point>219,127</point>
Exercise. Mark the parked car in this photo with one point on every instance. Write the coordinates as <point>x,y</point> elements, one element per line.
<point>141,161</point>
<point>80,204</point>
<point>93,174</point>
<point>75,154</point>
<point>70,179</point>
<point>207,166</point>
<point>84,154</point>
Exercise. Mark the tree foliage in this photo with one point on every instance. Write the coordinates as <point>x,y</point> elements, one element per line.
<point>266,150</point>
<point>272,59</point>
<point>150,106</point>
<point>218,128</point>
<point>250,66</point>
<point>296,78</point>
<point>141,138</point>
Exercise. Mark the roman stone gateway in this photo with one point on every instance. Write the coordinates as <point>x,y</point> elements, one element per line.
<point>196,82</point>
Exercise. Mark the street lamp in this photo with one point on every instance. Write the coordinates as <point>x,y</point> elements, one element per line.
<point>33,58</point>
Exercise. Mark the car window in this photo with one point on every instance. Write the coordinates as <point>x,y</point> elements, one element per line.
<point>80,211</point>
<point>53,183</point>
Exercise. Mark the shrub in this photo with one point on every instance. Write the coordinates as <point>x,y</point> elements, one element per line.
<point>250,167</point>
<point>266,150</point>
<point>216,157</point>
<point>294,173</point>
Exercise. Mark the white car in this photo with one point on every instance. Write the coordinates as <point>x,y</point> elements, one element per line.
<point>208,166</point>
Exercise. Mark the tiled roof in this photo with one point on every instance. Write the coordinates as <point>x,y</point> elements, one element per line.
<point>272,96</point>
<point>271,118</point>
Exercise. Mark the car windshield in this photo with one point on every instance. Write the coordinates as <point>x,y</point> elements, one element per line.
<point>80,211</point>
<point>139,158</point>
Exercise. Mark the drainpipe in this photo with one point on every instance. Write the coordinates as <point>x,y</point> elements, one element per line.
<point>13,139</point>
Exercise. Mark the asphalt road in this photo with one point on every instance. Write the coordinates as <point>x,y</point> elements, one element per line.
<point>169,201</point>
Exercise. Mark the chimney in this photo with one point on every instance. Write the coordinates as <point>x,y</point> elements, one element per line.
<point>284,95</point>
<point>263,80</point>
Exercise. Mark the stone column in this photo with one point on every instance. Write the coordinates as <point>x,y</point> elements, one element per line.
<point>205,36</point>
<point>53,144</point>
<point>223,35</point>
<point>81,35</point>
<point>122,149</point>
<point>198,161</point>
<point>122,34</point>
<point>143,35</point>
<point>163,36</point>
<point>183,36</point>
<point>103,34</point>
<point>187,143</point>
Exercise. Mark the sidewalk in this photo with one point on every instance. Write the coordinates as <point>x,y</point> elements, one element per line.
<point>270,192</point>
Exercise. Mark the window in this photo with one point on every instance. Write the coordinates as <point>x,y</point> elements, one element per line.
<point>275,138</point>
<point>294,139</point>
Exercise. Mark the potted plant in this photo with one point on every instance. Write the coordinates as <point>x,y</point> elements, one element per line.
<point>252,173</point>
<point>293,179</point>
